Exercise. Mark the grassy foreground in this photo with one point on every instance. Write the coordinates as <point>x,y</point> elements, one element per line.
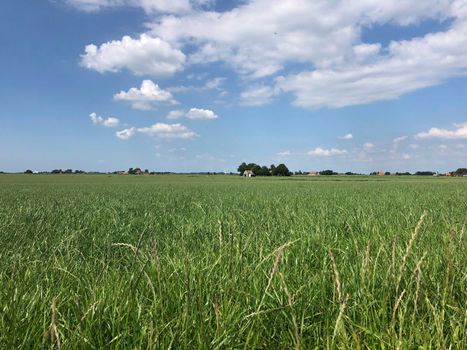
<point>221,262</point>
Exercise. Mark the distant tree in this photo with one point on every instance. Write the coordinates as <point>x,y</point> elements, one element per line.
<point>400,174</point>
<point>134,171</point>
<point>282,170</point>
<point>242,167</point>
<point>461,172</point>
<point>263,171</point>
<point>387,173</point>
<point>68,171</point>
<point>29,171</point>
<point>272,169</point>
<point>327,172</point>
<point>425,173</point>
<point>56,171</point>
<point>254,167</point>
<point>146,171</point>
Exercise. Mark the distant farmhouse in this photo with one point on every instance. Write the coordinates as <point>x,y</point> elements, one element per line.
<point>313,173</point>
<point>248,173</point>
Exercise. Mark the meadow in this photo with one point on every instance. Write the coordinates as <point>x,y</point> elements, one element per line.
<point>222,262</point>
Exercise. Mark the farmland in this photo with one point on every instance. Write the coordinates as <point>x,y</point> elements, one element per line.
<point>221,262</point>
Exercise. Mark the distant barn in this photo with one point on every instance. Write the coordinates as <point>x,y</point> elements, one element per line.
<point>248,173</point>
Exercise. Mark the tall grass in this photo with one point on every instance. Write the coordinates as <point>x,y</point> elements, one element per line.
<point>223,262</point>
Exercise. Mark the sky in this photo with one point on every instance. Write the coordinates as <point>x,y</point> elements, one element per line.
<point>203,85</point>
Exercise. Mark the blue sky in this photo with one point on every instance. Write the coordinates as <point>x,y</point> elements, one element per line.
<point>202,85</point>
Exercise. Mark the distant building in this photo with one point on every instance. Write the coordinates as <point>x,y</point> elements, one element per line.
<point>313,173</point>
<point>248,173</point>
<point>380,173</point>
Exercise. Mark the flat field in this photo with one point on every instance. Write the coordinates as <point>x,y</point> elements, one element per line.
<point>222,262</point>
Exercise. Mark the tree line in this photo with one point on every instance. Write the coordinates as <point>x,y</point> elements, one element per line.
<point>272,170</point>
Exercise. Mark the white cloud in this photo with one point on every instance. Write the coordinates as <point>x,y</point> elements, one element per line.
<point>414,146</point>
<point>110,122</point>
<point>261,38</point>
<point>257,95</point>
<point>211,84</point>
<point>175,114</point>
<point>368,145</point>
<point>346,137</point>
<point>284,154</point>
<point>193,113</point>
<point>150,6</point>
<point>407,66</point>
<point>125,134</point>
<point>199,113</point>
<point>398,140</point>
<point>273,33</point>
<point>460,132</point>
<point>322,152</point>
<point>143,56</point>
<point>147,97</point>
<point>168,131</point>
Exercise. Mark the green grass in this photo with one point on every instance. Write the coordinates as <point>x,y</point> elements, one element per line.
<point>221,262</point>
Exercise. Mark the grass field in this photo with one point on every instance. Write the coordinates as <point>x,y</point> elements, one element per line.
<point>221,262</point>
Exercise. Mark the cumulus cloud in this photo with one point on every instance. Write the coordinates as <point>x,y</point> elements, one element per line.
<point>407,66</point>
<point>168,131</point>
<point>125,134</point>
<point>159,130</point>
<point>322,152</point>
<point>147,97</point>
<point>257,95</point>
<point>150,6</point>
<point>110,122</point>
<point>211,84</point>
<point>368,145</point>
<point>284,154</point>
<point>175,114</point>
<point>193,113</point>
<point>276,32</point>
<point>199,113</point>
<point>346,137</point>
<point>315,45</point>
<point>398,140</point>
<point>460,132</point>
<point>143,56</point>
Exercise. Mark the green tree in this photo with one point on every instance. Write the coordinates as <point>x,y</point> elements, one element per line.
<point>281,170</point>
<point>265,171</point>
<point>327,172</point>
<point>242,167</point>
